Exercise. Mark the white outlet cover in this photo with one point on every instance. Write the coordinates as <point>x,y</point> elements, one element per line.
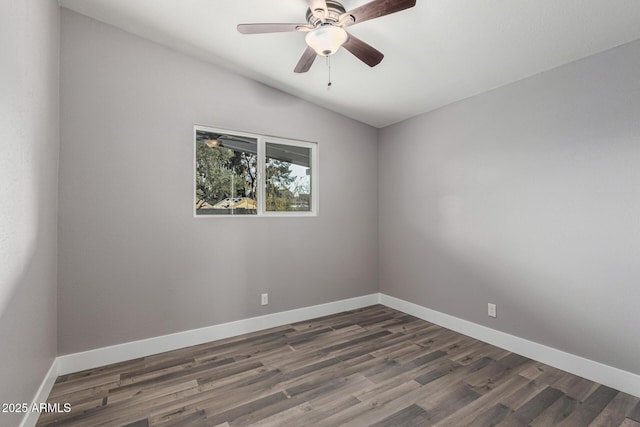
<point>492,310</point>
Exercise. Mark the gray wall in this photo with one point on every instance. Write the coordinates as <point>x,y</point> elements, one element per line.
<point>529,197</point>
<point>133,262</point>
<point>29,141</point>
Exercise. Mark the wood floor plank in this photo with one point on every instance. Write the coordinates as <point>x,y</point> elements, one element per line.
<point>492,416</point>
<point>379,408</point>
<point>533,408</point>
<point>319,407</point>
<point>468,413</point>
<point>588,410</point>
<point>442,403</point>
<point>556,413</point>
<point>497,372</point>
<point>369,401</point>
<point>527,392</point>
<point>411,416</point>
<point>373,366</point>
<point>575,386</point>
<point>614,414</point>
<point>635,414</point>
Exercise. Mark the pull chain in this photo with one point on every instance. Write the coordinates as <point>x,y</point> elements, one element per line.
<point>329,71</point>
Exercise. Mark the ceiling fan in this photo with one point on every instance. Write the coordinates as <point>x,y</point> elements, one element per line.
<point>325,28</point>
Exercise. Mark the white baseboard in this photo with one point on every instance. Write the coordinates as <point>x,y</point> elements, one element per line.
<point>119,353</point>
<point>31,418</point>
<point>612,377</point>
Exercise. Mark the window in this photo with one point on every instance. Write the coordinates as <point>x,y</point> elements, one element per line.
<point>288,178</point>
<point>238,173</point>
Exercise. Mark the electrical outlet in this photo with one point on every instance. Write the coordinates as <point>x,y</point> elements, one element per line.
<point>491,310</point>
<point>264,299</point>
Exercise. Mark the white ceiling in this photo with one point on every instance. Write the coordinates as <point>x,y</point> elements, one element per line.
<point>436,53</point>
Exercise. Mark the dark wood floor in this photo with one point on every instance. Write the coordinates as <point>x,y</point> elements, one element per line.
<point>369,367</point>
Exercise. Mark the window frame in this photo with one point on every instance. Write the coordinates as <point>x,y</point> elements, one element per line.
<point>262,141</point>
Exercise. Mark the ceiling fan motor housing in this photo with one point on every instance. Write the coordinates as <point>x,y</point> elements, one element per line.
<point>335,10</point>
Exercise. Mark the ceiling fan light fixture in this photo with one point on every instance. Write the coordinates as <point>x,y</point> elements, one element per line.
<point>326,39</point>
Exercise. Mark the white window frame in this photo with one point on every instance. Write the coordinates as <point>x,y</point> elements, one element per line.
<point>262,141</point>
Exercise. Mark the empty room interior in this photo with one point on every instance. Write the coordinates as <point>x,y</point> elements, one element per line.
<point>431,217</point>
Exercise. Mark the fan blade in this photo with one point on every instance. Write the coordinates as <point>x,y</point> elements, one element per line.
<point>305,61</point>
<point>363,51</point>
<point>318,8</point>
<point>375,9</point>
<point>272,28</point>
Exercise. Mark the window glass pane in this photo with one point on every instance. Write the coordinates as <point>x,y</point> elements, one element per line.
<point>288,178</point>
<point>226,174</point>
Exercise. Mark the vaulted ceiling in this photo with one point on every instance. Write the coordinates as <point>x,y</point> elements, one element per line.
<point>436,53</point>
